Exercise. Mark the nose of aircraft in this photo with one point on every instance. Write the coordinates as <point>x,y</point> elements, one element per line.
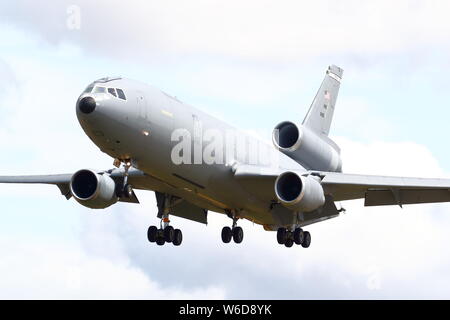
<point>87,105</point>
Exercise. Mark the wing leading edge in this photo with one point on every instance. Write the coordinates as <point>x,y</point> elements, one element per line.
<point>62,181</point>
<point>385,190</point>
<point>375,190</point>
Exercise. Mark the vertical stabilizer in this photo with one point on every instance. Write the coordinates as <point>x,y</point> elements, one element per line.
<point>321,112</point>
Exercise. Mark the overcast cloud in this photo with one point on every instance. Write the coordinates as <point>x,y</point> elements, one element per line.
<point>252,64</point>
<point>257,30</point>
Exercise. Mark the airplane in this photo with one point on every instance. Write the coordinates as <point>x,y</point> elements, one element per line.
<point>196,164</point>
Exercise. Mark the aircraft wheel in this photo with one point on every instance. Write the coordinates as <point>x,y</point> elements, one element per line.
<point>226,234</point>
<point>238,234</point>
<point>282,235</point>
<point>306,239</point>
<point>160,241</point>
<point>151,233</point>
<point>289,243</point>
<point>177,237</point>
<point>168,234</point>
<point>298,236</point>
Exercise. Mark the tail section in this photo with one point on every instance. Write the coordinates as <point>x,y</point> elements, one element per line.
<point>321,112</point>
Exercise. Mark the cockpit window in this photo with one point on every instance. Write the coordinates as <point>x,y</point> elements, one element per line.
<point>112,91</point>
<point>121,94</point>
<point>99,90</point>
<point>89,89</point>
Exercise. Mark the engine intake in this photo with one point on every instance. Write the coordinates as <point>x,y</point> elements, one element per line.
<point>299,193</point>
<point>307,148</point>
<point>93,190</point>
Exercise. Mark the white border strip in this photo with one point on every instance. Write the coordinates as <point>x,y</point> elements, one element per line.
<point>335,77</point>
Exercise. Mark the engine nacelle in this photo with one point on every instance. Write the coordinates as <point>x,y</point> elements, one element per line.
<point>93,190</point>
<point>307,148</point>
<point>299,193</point>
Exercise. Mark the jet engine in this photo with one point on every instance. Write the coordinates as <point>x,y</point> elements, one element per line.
<point>93,190</point>
<point>299,193</point>
<point>307,148</point>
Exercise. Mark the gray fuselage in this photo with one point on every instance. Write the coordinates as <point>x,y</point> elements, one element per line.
<point>140,129</point>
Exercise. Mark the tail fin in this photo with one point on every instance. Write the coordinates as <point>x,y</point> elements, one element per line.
<point>320,114</point>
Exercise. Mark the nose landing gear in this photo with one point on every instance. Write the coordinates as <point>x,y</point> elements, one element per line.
<point>123,189</point>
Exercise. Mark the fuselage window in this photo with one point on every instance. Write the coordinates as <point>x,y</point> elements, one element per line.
<point>99,90</point>
<point>112,91</point>
<point>121,94</point>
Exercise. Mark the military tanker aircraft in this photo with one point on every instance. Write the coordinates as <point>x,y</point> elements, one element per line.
<point>196,163</point>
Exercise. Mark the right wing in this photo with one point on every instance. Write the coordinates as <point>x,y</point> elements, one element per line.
<point>138,179</point>
<point>62,181</point>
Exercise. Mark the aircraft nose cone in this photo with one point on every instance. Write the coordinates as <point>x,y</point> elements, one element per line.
<point>87,105</point>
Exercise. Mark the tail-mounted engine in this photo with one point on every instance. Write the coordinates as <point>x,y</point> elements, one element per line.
<point>307,148</point>
<point>93,190</point>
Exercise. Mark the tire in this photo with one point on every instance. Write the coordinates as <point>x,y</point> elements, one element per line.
<point>160,241</point>
<point>151,233</point>
<point>177,237</point>
<point>289,243</point>
<point>306,239</point>
<point>282,235</point>
<point>298,236</point>
<point>238,234</point>
<point>226,234</point>
<point>169,234</point>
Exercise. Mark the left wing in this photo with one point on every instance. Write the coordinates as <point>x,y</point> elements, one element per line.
<point>376,190</point>
<point>384,190</point>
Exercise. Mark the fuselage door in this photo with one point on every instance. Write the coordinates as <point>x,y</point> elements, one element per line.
<point>142,106</point>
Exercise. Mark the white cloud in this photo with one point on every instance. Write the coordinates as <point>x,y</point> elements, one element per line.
<point>260,30</point>
<point>39,114</point>
<point>383,158</point>
<point>40,270</point>
<point>369,252</point>
<point>380,252</point>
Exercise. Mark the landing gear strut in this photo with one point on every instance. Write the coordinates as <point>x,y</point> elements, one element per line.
<point>236,233</point>
<point>166,233</point>
<point>298,236</point>
<point>125,190</point>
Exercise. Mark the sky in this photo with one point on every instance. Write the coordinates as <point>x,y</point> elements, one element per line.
<point>252,64</point>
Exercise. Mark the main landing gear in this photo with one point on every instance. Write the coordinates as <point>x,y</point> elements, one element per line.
<point>165,233</point>
<point>298,236</point>
<point>236,233</point>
